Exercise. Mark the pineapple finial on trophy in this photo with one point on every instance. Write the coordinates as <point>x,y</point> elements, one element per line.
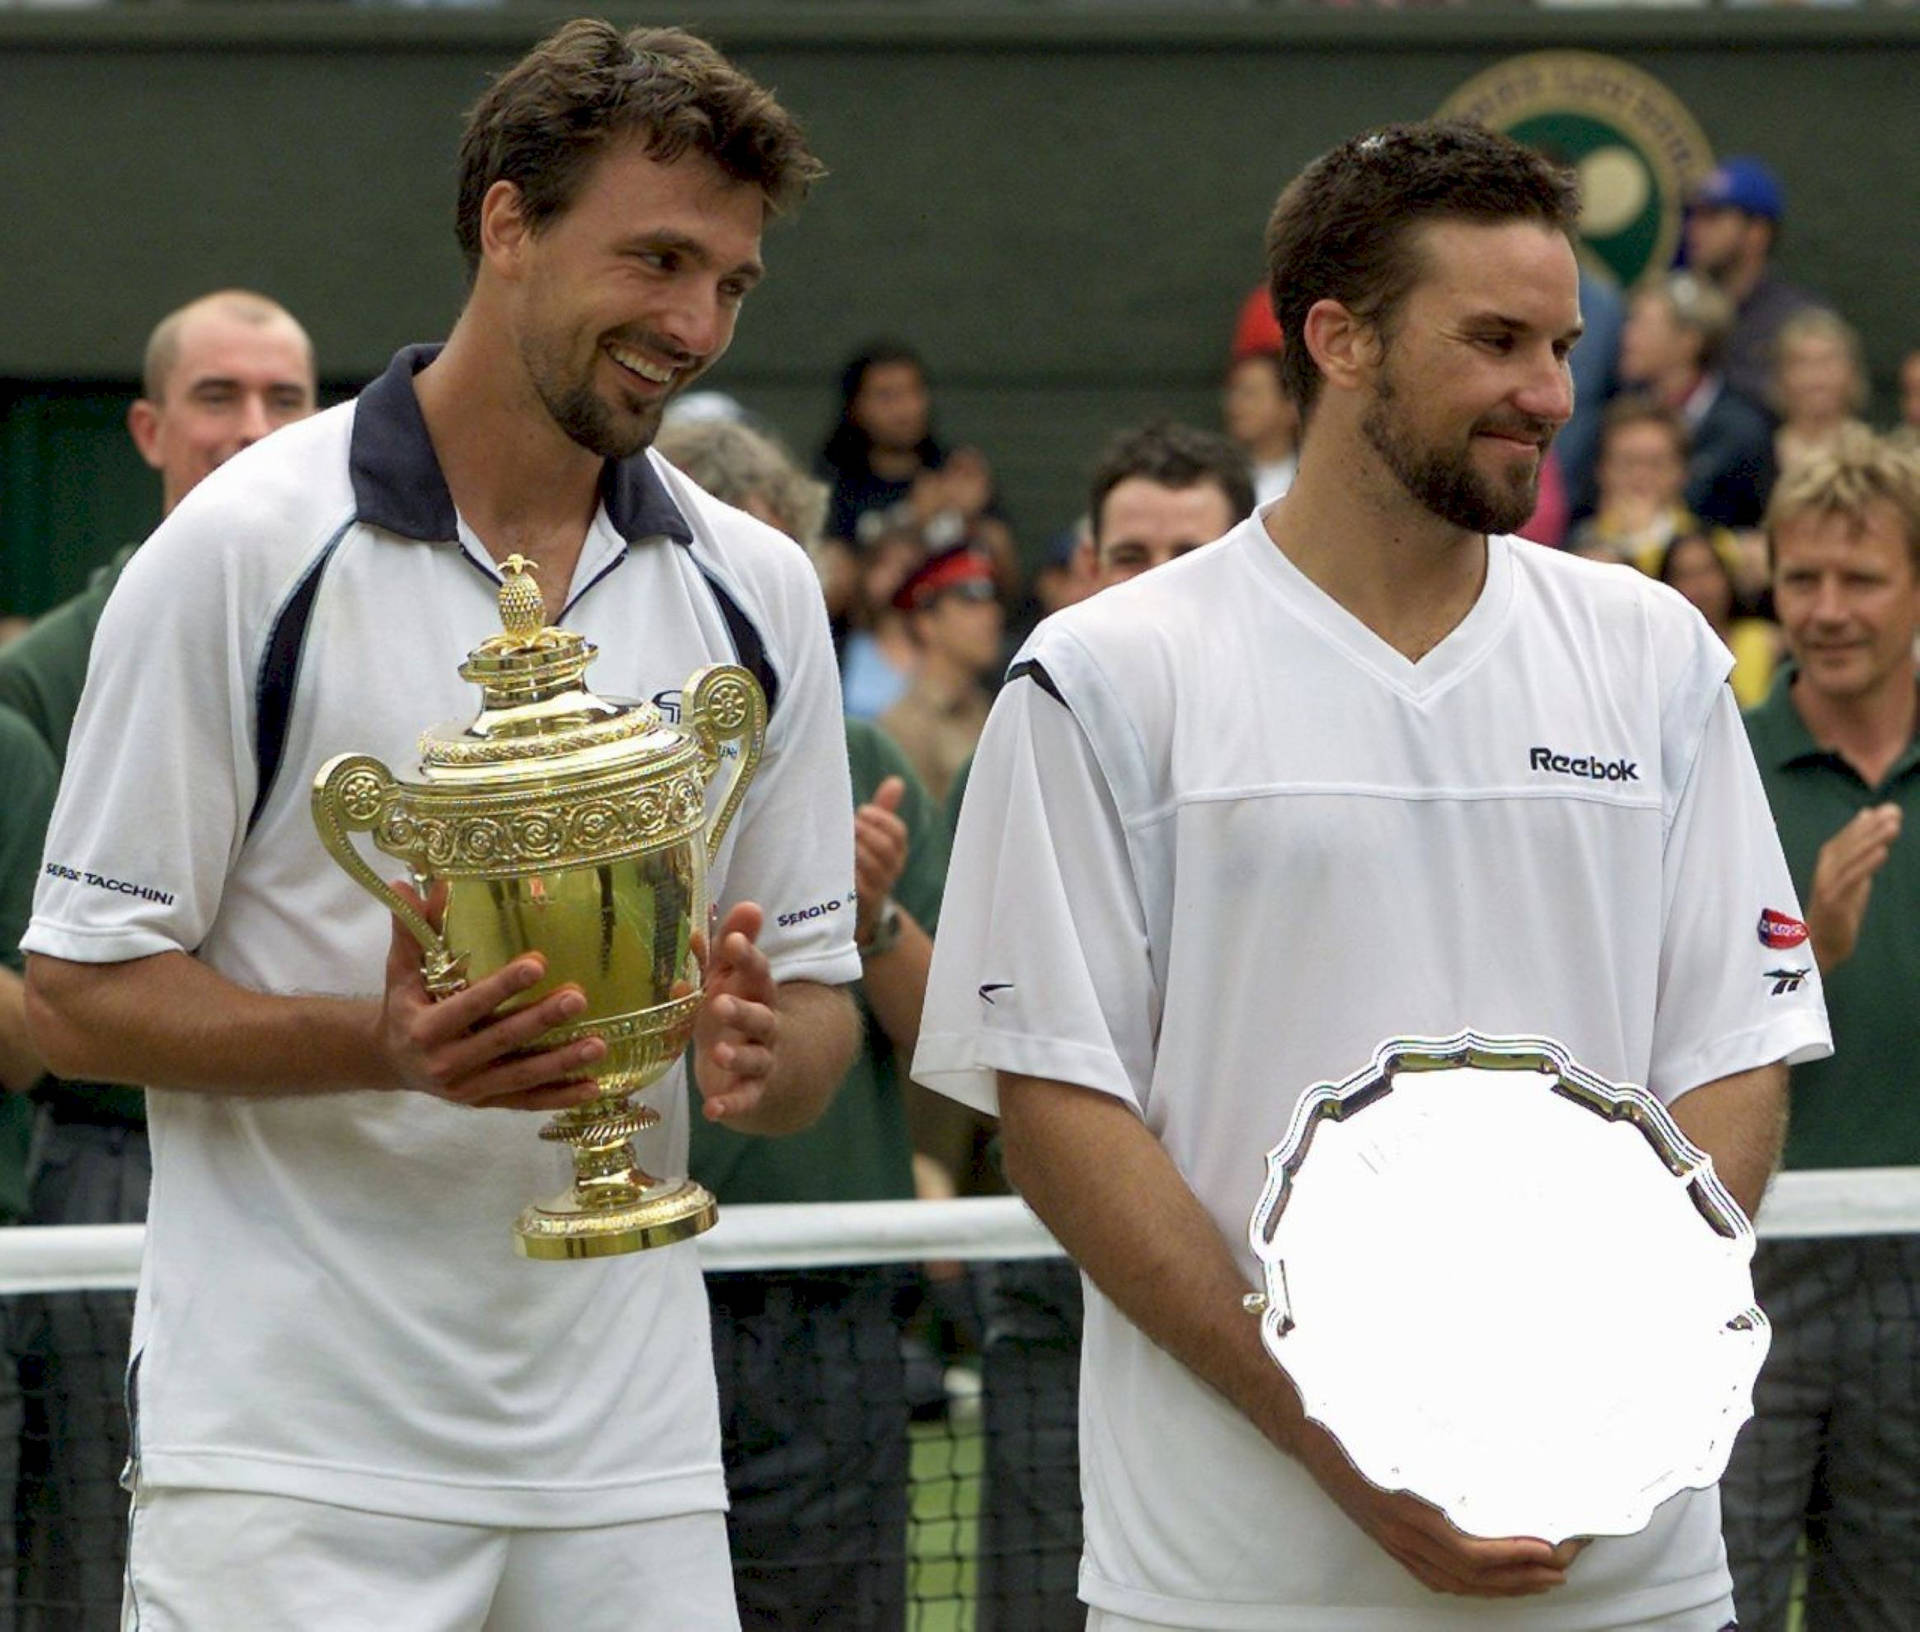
<point>523,611</point>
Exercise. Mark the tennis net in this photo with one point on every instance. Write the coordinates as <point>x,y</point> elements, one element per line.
<point>938,1487</point>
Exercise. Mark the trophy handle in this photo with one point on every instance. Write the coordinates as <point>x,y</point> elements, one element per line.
<point>724,703</point>
<point>351,794</point>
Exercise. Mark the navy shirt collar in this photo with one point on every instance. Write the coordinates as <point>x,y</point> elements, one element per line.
<point>397,484</point>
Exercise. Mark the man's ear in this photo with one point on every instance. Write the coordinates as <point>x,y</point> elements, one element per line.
<point>143,425</point>
<point>1345,348</point>
<point>505,231</point>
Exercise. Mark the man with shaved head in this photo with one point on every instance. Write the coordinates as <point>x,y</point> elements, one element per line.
<point>220,373</point>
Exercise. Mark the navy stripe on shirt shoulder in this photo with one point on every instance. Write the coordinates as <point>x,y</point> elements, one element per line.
<point>1031,669</point>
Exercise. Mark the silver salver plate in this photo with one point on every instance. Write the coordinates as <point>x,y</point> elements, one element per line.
<point>1508,1286</point>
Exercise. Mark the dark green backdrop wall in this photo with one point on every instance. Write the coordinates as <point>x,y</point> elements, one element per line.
<point>1061,208</point>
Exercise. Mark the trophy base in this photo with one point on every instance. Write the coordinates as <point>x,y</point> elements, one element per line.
<point>674,1210</point>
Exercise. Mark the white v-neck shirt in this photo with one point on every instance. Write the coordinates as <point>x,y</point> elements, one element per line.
<point>1220,842</point>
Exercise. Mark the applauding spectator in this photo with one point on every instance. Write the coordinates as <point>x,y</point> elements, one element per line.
<point>889,474</point>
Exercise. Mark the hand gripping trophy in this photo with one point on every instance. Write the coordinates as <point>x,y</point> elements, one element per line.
<point>575,826</point>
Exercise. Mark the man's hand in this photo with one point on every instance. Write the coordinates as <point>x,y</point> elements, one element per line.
<point>1421,1539</point>
<point>879,855</point>
<point>1843,880</point>
<point>737,1032</point>
<point>463,1050</point>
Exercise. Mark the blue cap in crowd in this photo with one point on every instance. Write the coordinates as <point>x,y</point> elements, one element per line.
<point>1743,184</point>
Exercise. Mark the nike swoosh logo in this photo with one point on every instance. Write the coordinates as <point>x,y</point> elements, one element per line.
<point>993,986</point>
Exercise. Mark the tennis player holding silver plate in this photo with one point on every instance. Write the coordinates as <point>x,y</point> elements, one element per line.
<point>1617,1381</point>
<point>1372,767</point>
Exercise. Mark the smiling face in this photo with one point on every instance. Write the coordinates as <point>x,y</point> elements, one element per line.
<point>236,375</point>
<point>1847,596</point>
<point>1144,524</point>
<point>626,297</point>
<point>1472,382</point>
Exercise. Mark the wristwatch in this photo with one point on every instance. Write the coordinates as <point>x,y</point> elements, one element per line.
<point>886,930</point>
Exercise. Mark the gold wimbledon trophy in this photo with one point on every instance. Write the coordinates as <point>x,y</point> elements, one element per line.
<point>564,823</point>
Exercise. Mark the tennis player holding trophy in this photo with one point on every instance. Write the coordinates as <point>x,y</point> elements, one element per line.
<point>1373,798</point>
<point>355,1403</point>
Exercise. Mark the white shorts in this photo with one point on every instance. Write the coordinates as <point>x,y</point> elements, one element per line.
<point>233,1561</point>
<point>1719,1617</point>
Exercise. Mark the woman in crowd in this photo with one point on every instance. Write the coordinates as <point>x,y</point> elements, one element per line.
<point>1702,566</point>
<point>1819,384</point>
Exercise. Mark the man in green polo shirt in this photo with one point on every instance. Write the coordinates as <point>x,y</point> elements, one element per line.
<point>1834,1447</point>
<point>219,374</point>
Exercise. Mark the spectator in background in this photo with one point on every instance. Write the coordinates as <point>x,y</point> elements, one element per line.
<point>219,374</point>
<point>890,475</point>
<point>1256,411</point>
<point>1158,493</point>
<point>954,616</point>
<point>1063,578</point>
<point>1703,566</point>
<point>1642,479</point>
<point>813,1393</point>
<point>1676,328</point>
<point>1733,227</point>
<point>878,656</point>
<point>1833,1450</point>
<point>1819,385</point>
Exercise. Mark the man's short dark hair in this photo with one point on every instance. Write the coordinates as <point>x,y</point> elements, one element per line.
<point>1344,228</point>
<point>544,123</point>
<point>1176,456</point>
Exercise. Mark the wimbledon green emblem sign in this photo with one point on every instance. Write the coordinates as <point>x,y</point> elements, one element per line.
<point>1636,148</point>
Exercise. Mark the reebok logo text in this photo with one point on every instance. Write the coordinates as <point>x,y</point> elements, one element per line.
<point>1591,766</point>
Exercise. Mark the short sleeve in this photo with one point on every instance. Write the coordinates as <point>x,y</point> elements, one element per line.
<point>793,854</point>
<point>1738,984</point>
<point>159,770</point>
<point>1041,967</point>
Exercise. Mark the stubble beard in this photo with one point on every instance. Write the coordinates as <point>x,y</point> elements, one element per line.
<point>582,413</point>
<point>1443,482</point>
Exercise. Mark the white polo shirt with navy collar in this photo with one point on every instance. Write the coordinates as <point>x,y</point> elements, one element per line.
<point>331,1306</point>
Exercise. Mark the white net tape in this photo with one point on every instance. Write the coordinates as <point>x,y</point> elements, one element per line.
<point>97,1257</point>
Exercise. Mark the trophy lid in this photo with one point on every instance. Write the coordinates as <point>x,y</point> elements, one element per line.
<point>536,708</point>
